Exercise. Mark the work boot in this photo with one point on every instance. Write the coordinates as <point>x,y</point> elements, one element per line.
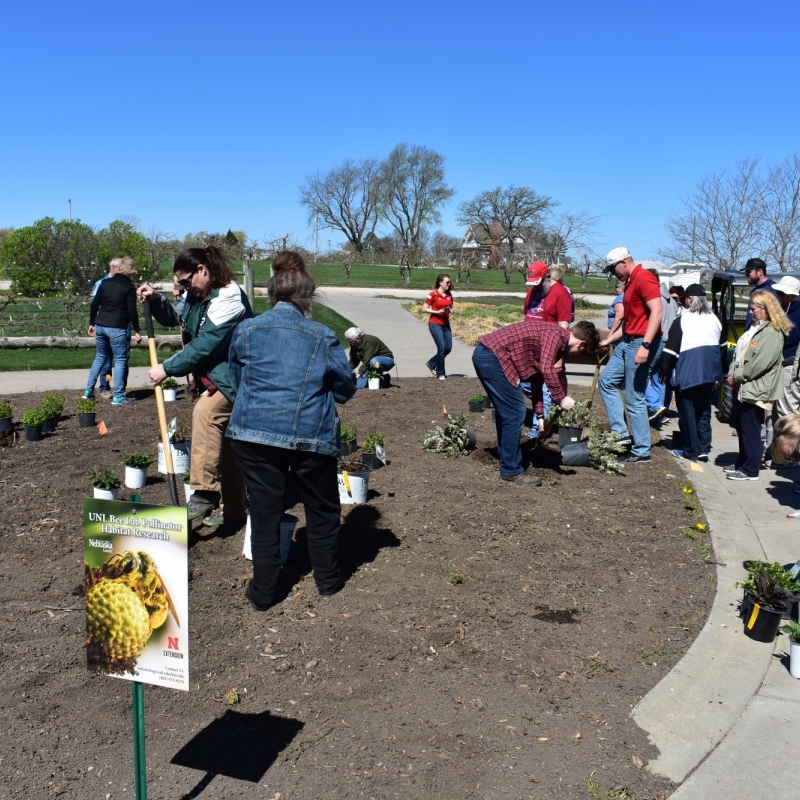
<point>200,504</point>
<point>523,479</point>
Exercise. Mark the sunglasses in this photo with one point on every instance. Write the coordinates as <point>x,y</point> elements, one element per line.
<point>185,282</point>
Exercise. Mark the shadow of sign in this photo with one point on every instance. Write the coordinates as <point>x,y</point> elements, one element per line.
<point>240,746</point>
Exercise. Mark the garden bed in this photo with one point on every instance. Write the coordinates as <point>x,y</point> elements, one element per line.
<point>490,641</point>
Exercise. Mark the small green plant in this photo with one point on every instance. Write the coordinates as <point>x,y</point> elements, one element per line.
<point>105,478</point>
<point>139,460</point>
<point>349,432</point>
<point>579,416</point>
<point>372,440</point>
<point>169,383</point>
<point>34,417</point>
<point>657,653</point>
<point>774,572</point>
<point>456,578</point>
<point>87,406</point>
<point>768,593</point>
<point>374,373</point>
<point>53,405</point>
<point>452,440</point>
<point>187,476</point>
<point>604,447</point>
<point>792,630</point>
<point>6,410</point>
<point>476,398</point>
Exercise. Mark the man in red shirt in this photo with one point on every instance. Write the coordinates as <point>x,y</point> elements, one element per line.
<point>637,343</point>
<point>527,350</point>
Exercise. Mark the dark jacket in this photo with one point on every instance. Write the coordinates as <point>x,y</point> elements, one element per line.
<point>370,347</point>
<point>208,326</point>
<point>117,296</point>
<point>692,350</point>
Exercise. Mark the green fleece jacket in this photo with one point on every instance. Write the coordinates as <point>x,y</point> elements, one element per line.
<point>760,373</point>
<point>208,326</point>
<point>370,347</point>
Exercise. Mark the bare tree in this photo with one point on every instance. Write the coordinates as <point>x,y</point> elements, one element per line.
<point>346,198</point>
<point>504,214</point>
<point>413,191</point>
<point>780,211</point>
<point>442,247</point>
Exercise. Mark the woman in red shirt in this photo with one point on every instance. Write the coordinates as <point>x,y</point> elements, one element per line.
<point>439,304</point>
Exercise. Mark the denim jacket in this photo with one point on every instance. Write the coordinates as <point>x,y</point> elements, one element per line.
<point>287,372</point>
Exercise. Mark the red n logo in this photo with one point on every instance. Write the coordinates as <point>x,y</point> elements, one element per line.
<point>172,643</point>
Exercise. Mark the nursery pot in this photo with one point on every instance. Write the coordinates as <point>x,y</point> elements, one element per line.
<point>576,455</point>
<point>745,606</point>
<point>49,425</point>
<point>350,446</point>
<point>567,436</point>
<point>86,420</point>
<point>371,461</point>
<point>374,383</point>
<point>487,403</point>
<point>472,437</point>
<point>353,480</point>
<point>761,624</point>
<point>105,494</point>
<point>6,424</point>
<point>187,492</point>
<point>181,457</point>
<point>135,477</point>
<point>794,659</point>
<point>170,395</point>
<point>288,523</point>
<point>33,433</point>
<point>476,407</point>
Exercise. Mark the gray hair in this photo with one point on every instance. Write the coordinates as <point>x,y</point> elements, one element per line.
<point>351,334</point>
<point>700,305</point>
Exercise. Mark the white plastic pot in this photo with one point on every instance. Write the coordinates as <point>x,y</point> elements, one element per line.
<point>105,494</point>
<point>288,523</point>
<point>170,395</point>
<point>181,457</point>
<point>374,383</point>
<point>353,486</point>
<point>794,659</point>
<point>187,492</point>
<point>135,477</point>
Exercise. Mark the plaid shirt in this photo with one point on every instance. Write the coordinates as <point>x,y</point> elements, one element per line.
<point>530,348</point>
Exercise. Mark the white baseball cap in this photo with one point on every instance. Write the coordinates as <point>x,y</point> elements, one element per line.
<point>615,256</point>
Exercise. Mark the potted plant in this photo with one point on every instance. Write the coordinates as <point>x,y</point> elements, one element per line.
<point>370,457</point>
<point>6,411</point>
<point>136,465</point>
<point>792,630</point>
<point>571,423</point>
<point>170,389</point>
<point>180,447</point>
<point>374,379</point>
<point>454,440</point>
<point>87,408</point>
<point>487,402</point>
<point>33,420</point>
<point>187,488</point>
<point>348,436</point>
<point>353,479</point>
<point>600,451</point>
<point>775,572</point>
<point>105,483</point>
<point>476,402</point>
<point>52,406</point>
<point>769,602</point>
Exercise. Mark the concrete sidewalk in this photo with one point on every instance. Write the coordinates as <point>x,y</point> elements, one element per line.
<point>727,710</point>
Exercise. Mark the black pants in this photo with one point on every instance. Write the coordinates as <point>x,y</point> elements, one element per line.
<point>749,419</point>
<point>265,470</point>
<point>694,412</point>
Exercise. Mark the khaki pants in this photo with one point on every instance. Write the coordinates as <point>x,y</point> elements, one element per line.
<point>788,404</point>
<point>214,467</point>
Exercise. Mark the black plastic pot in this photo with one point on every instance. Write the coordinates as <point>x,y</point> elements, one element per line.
<point>576,455</point>
<point>371,460</point>
<point>6,424</point>
<point>349,447</point>
<point>49,425</point>
<point>487,403</point>
<point>33,433</point>
<point>568,436</point>
<point>472,437</point>
<point>86,420</point>
<point>476,407</point>
<point>761,624</point>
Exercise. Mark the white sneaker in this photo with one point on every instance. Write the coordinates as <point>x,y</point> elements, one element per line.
<point>442,378</point>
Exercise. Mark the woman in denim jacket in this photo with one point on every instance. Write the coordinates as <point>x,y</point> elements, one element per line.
<point>288,372</point>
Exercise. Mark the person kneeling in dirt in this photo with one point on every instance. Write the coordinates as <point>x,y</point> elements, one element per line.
<point>368,353</point>
<point>527,350</point>
<point>215,305</point>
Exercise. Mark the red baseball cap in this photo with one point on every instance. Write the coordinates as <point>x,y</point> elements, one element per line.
<point>536,272</point>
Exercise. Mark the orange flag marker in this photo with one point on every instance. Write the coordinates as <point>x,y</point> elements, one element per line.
<point>101,427</point>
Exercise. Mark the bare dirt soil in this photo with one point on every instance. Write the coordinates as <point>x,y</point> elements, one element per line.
<point>490,641</point>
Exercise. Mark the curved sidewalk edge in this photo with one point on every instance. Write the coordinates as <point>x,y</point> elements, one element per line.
<point>702,714</point>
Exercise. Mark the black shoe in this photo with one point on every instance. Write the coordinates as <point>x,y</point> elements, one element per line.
<point>630,458</point>
<point>255,606</point>
<point>623,438</point>
<point>337,587</point>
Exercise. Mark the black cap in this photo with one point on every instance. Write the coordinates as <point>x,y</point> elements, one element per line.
<point>755,263</point>
<point>694,290</point>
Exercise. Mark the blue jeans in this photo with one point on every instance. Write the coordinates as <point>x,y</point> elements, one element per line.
<point>654,395</point>
<point>547,400</point>
<point>622,372</point>
<point>380,363</point>
<point>443,337</point>
<point>509,408</point>
<point>111,342</point>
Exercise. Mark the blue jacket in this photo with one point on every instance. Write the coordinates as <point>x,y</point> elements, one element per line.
<point>692,350</point>
<point>288,372</point>
<point>793,337</point>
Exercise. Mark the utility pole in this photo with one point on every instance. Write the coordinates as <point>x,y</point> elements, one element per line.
<point>70,209</point>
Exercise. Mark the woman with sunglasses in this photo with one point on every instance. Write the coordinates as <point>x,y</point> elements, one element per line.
<point>215,304</point>
<point>439,304</point>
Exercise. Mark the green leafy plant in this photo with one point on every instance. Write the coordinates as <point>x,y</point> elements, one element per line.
<point>105,478</point>
<point>374,373</point>
<point>139,460</point>
<point>452,440</point>
<point>579,416</point>
<point>6,410</point>
<point>476,398</point>
<point>187,476</point>
<point>87,406</point>
<point>53,405</point>
<point>774,573</point>
<point>792,630</point>
<point>604,447</point>
<point>34,417</point>
<point>371,440</point>
<point>349,432</point>
<point>768,593</point>
<point>169,383</point>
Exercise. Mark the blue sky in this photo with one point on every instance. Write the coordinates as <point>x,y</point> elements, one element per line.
<point>205,115</point>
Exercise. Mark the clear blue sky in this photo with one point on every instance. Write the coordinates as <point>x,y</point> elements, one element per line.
<point>206,115</point>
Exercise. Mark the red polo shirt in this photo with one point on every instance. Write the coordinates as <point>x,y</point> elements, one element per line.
<point>440,303</point>
<point>640,287</point>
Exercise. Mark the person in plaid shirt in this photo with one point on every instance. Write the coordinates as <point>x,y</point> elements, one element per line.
<point>526,350</point>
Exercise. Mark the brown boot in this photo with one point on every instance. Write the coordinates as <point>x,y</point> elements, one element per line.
<point>523,478</point>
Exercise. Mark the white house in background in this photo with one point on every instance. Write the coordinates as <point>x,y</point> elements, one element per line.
<point>684,273</point>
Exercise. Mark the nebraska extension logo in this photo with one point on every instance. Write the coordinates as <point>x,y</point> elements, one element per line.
<point>172,648</point>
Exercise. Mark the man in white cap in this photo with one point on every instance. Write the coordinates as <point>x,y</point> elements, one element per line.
<point>637,342</point>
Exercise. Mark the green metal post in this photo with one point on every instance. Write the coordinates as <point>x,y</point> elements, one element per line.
<point>139,767</point>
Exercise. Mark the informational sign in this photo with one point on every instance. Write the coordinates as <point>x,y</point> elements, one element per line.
<point>137,591</point>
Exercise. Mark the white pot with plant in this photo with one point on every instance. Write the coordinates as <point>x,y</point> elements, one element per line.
<point>136,465</point>
<point>792,630</point>
<point>170,388</point>
<point>105,483</point>
<point>187,487</point>
<point>374,379</point>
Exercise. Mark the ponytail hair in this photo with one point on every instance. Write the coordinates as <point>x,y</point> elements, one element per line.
<point>291,282</point>
<point>219,271</point>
